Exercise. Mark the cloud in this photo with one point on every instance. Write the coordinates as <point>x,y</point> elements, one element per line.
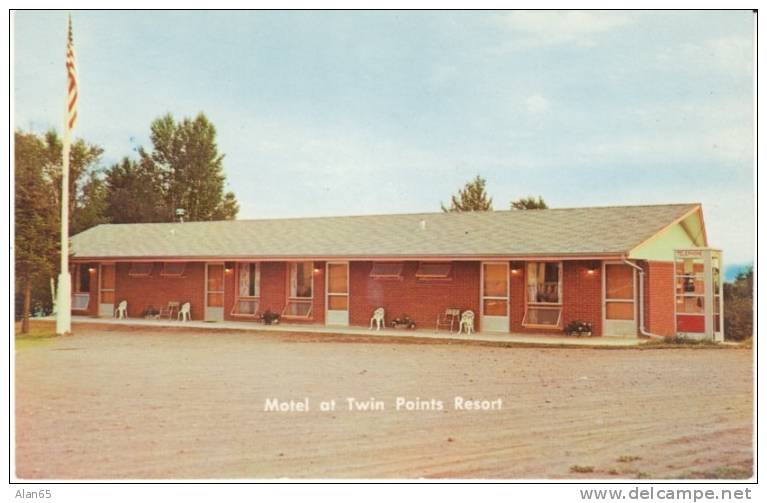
<point>533,29</point>
<point>536,104</point>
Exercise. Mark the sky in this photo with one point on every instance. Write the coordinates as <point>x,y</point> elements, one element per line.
<point>369,112</point>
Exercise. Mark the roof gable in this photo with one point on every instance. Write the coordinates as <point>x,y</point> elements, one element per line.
<point>687,232</point>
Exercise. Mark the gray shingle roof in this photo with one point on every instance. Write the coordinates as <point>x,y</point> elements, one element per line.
<point>572,231</point>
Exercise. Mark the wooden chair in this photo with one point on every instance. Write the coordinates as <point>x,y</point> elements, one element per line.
<point>170,311</point>
<point>448,319</point>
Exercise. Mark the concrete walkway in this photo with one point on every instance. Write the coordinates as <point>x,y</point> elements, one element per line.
<point>554,340</point>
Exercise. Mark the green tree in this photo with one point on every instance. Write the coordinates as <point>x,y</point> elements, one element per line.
<point>189,168</point>
<point>86,194</point>
<point>37,169</point>
<point>134,193</point>
<point>472,197</point>
<point>739,306</point>
<point>36,222</point>
<point>529,203</point>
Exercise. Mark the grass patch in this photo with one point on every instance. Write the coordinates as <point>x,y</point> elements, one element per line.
<point>581,469</point>
<point>39,333</point>
<point>628,459</point>
<point>723,472</point>
<point>681,342</point>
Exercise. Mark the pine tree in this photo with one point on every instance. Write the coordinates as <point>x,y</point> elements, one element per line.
<point>471,198</point>
<point>529,203</point>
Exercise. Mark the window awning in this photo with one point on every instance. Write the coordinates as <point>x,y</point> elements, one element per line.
<point>387,270</point>
<point>173,269</point>
<point>140,269</point>
<point>433,270</point>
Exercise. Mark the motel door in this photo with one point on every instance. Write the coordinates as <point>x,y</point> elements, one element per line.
<point>214,292</point>
<point>106,290</point>
<point>495,297</point>
<point>337,294</point>
<point>619,288</point>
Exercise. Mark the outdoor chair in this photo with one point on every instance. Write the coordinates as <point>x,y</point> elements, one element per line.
<point>467,323</point>
<point>185,314</point>
<point>170,311</point>
<point>122,310</point>
<point>448,319</point>
<point>377,319</point>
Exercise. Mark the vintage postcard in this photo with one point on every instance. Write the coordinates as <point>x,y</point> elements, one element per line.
<point>383,245</point>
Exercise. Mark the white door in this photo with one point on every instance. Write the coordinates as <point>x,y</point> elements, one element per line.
<point>214,292</point>
<point>619,299</point>
<point>107,290</point>
<point>337,294</point>
<point>495,297</point>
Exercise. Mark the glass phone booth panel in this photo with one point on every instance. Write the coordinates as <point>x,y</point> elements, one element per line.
<point>698,293</point>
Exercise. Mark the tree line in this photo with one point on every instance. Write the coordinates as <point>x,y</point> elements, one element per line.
<point>183,169</point>
<point>474,197</point>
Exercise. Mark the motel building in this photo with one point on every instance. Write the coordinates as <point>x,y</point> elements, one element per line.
<point>628,271</point>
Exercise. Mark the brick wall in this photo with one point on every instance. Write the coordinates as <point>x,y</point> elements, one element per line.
<point>581,296</point>
<point>157,290</point>
<point>274,291</point>
<point>659,298</point>
<point>423,301</point>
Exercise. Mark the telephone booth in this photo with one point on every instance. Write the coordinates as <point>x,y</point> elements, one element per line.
<point>698,294</point>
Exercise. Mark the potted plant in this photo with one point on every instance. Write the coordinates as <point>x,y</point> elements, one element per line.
<point>270,318</point>
<point>578,328</point>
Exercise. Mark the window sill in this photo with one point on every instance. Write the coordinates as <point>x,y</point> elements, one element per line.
<point>542,327</point>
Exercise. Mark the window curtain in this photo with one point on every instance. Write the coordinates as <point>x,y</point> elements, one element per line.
<point>294,280</point>
<point>244,280</point>
<point>536,284</point>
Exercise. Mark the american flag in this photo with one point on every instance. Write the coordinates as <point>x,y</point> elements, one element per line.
<point>71,81</point>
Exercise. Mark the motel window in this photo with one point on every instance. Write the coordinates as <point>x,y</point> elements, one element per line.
<point>173,269</point>
<point>299,304</point>
<point>82,278</point>
<point>248,289</point>
<point>82,287</point>
<point>433,270</point>
<point>387,270</point>
<point>544,294</point>
<point>140,269</point>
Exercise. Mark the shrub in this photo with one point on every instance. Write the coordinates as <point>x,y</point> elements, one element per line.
<point>739,306</point>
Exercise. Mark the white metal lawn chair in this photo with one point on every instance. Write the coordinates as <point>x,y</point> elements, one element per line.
<point>185,314</point>
<point>122,310</point>
<point>467,322</point>
<point>377,319</point>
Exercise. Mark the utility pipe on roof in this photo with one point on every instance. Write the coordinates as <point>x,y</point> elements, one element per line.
<point>641,300</point>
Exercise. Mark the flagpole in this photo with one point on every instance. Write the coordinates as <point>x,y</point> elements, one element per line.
<point>63,305</point>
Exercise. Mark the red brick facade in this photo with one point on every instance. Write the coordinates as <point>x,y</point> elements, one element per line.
<point>659,298</point>
<point>422,300</point>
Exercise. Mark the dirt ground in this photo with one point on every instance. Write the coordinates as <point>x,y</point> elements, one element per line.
<point>112,402</point>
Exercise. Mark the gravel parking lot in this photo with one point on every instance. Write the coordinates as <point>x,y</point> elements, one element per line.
<point>144,403</point>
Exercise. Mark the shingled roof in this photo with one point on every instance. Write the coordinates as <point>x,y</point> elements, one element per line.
<point>555,232</point>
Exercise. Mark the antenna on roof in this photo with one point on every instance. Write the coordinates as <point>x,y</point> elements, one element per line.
<point>180,212</point>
